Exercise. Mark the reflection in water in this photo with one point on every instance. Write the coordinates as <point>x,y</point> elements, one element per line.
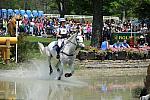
<point>103,88</point>
<point>7,90</point>
<point>44,91</point>
<point>35,84</point>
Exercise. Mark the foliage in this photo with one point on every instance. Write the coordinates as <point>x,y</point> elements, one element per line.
<point>22,48</point>
<point>143,8</point>
<point>128,53</point>
<point>139,8</point>
<point>136,92</point>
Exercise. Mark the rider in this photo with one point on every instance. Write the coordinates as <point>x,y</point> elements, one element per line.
<point>61,34</point>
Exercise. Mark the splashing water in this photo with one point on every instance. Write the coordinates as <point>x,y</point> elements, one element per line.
<point>34,83</point>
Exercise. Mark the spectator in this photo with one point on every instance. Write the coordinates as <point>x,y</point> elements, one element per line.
<point>105,45</point>
<point>141,41</point>
<point>125,44</point>
<point>117,45</point>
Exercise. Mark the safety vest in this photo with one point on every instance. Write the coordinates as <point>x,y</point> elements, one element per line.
<point>63,32</point>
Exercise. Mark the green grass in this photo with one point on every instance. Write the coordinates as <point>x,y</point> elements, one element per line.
<point>48,40</point>
<point>39,39</point>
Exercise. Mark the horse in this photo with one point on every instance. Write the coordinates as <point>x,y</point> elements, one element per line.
<point>67,54</point>
<point>12,25</point>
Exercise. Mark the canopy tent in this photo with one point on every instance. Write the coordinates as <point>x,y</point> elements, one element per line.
<point>22,12</point>
<point>10,12</point>
<point>40,13</point>
<point>16,11</point>
<point>35,13</point>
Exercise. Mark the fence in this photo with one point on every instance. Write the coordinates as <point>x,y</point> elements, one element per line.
<point>5,45</point>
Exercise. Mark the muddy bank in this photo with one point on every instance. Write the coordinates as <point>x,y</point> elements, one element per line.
<point>113,64</point>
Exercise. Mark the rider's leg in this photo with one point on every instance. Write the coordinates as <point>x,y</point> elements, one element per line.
<point>59,47</point>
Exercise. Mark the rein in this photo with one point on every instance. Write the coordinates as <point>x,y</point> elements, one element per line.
<point>74,51</point>
<point>67,54</point>
<point>72,42</point>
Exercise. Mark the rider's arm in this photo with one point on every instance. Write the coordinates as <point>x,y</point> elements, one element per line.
<point>58,32</point>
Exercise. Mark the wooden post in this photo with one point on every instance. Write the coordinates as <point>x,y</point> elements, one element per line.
<point>4,54</point>
<point>7,51</point>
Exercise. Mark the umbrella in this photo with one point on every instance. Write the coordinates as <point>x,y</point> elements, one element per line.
<point>22,12</point>
<point>16,11</point>
<point>10,12</point>
<point>28,12</point>
<point>35,13</point>
<point>4,13</point>
<point>40,13</point>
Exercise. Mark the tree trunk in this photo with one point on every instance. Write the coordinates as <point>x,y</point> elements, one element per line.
<point>97,23</point>
<point>147,81</point>
<point>61,7</point>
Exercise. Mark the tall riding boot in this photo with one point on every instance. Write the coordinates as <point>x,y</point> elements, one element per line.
<point>58,51</point>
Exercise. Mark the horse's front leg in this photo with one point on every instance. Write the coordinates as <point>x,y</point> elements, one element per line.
<point>72,70</point>
<point>60,70</point>
<point>50,67</point>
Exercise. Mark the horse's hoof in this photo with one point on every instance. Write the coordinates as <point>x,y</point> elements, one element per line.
<point>59,78</point>
<point>68,75</point>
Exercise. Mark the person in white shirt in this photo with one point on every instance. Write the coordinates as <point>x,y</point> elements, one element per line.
<point>62,34</point>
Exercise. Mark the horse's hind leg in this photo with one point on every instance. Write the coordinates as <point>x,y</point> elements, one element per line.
<point>50,67</point>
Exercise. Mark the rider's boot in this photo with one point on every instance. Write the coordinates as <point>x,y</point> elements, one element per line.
<point>58,51</point>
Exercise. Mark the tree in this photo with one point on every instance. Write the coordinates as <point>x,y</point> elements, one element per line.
<point>61,7</point>
<point>143,9</point>
<point>123,8</point>
<point>97,23</point>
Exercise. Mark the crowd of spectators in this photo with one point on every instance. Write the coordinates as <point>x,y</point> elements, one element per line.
<point>43,26</point>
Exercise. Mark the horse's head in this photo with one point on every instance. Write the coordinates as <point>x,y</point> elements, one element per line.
<point>77,40</point>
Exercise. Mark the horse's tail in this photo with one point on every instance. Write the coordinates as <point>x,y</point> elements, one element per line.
<point>41,47</point>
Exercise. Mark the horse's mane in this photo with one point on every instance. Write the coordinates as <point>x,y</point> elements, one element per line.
<point>72,37</point>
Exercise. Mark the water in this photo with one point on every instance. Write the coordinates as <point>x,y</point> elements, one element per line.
<point>33,83</point>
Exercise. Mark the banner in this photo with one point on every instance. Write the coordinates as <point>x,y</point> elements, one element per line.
<point>123,36</point>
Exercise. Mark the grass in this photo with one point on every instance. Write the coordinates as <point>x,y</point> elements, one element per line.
<point>39,39</point>
<point>48,40</point>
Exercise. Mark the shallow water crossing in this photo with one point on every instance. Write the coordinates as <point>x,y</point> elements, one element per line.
<point>34,83</point>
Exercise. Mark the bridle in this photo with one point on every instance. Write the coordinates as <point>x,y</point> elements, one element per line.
<point>74,51</point>
<point>72,43</point>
